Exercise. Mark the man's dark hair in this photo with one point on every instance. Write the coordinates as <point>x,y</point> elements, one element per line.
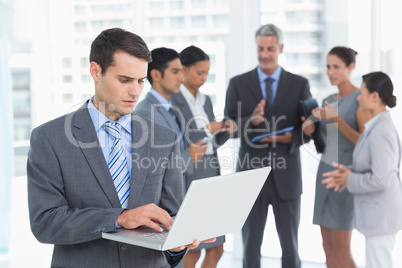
<point>160,58</point>
<point>109,41</point>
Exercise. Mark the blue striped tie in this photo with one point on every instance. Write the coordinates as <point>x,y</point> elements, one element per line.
<point>118,163</point>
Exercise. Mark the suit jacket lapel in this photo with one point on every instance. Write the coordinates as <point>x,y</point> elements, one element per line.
<point>209,110</point>
<point>254,85</point>
<point>140,150</point>
<point>162,111</point>
<point>84,133</point>
<point>180,102</point>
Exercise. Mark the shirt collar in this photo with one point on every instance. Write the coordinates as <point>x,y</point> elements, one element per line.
<point>275,75</point>
<point>189,96</point>
<point>165,103</point>
<point>98,118</point>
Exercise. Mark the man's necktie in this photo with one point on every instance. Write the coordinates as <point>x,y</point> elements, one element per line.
<point>117,163</point>
<point>268,94</point>
<point>179,128</point>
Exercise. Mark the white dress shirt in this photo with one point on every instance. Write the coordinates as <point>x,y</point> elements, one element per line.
<point>196,105</point>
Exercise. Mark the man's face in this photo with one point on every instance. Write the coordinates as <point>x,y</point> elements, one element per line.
<point>172,79</point>
<point>268,53</point>
<point>117,92</point>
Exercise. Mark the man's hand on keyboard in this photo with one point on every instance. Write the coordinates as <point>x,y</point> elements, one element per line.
<point>194,245</point>
<point>149,215</point>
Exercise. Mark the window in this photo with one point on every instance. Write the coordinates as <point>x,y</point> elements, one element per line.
<point>21,80</point>
<point>67,97</point>
<point>22,129</point>
<point>84,62</point>
<point>21,103</point>
<point>67,79</point>
<point>199,3</point>
<point>211,78</point>
<point>85,78</point>
<point>79,10</point>
<point>156,23</point>
<point>220,21</point>
<point>221,3</point>
<point>98,25</point>
<point>177,23</point>
<point>80,27</point>
<point>67,63</point>
<point>99,9</point>
<point>199,21</point>
<point>156,5</point>
<point>177,4</point>
<point>212,60</point>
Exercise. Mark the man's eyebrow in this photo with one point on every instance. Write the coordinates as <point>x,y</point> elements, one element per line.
<point>125,77</point>
<point>130,78</point>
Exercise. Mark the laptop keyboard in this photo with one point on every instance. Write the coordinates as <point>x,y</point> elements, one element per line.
<point>155,236</point>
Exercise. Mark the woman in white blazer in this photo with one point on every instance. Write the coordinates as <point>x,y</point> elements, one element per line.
<point>374,176</point>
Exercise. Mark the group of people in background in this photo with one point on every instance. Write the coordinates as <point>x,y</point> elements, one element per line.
<point>70,187</point>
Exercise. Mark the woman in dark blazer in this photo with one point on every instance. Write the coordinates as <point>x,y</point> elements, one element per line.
<point>196,109</point>
<point>374,176</point>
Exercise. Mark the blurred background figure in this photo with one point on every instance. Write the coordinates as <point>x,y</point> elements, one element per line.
<point>374,177</point>
<point>342,121</point>
<point>196,110</point>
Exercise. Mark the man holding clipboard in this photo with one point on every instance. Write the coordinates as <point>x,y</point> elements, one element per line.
<point>264,100</point>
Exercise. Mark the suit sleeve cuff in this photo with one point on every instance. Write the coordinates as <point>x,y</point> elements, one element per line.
<point>175,254</point>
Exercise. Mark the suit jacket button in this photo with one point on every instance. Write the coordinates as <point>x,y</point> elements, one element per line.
<point>123,247</point>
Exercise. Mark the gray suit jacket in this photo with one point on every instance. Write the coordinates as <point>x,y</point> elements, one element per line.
<point>151,108</point>
<point>209,165</point>
<point>242,96</point>
<point>72,198</point>
<point>375,180</point>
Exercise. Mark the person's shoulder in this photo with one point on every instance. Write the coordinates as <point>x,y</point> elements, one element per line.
<point>156,129</point>
<point>144,104</point>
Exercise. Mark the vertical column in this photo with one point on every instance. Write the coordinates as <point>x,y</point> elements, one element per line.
<point>375,51</point>
<point>6,138</point>
<point>241,56</point>
<point>241,46</point>
<point>336,33</point>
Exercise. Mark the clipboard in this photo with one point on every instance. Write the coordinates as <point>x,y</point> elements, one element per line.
<point>258,138</point>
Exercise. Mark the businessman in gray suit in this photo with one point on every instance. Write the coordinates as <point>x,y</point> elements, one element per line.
<point>263,100</point>
<point>72,191</point>
<point>164,74</point>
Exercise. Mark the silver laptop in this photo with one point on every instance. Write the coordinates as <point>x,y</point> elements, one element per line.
<point>212,207</point>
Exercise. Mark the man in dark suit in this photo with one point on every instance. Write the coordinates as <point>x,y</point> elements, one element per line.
<point>165,75</point>
<point>263,100</point>
<point>75,161</point>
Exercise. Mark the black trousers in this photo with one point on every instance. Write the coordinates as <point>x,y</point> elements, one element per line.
<point>287,219</point>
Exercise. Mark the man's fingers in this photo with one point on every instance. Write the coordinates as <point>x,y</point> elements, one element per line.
<point>211,240</point>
